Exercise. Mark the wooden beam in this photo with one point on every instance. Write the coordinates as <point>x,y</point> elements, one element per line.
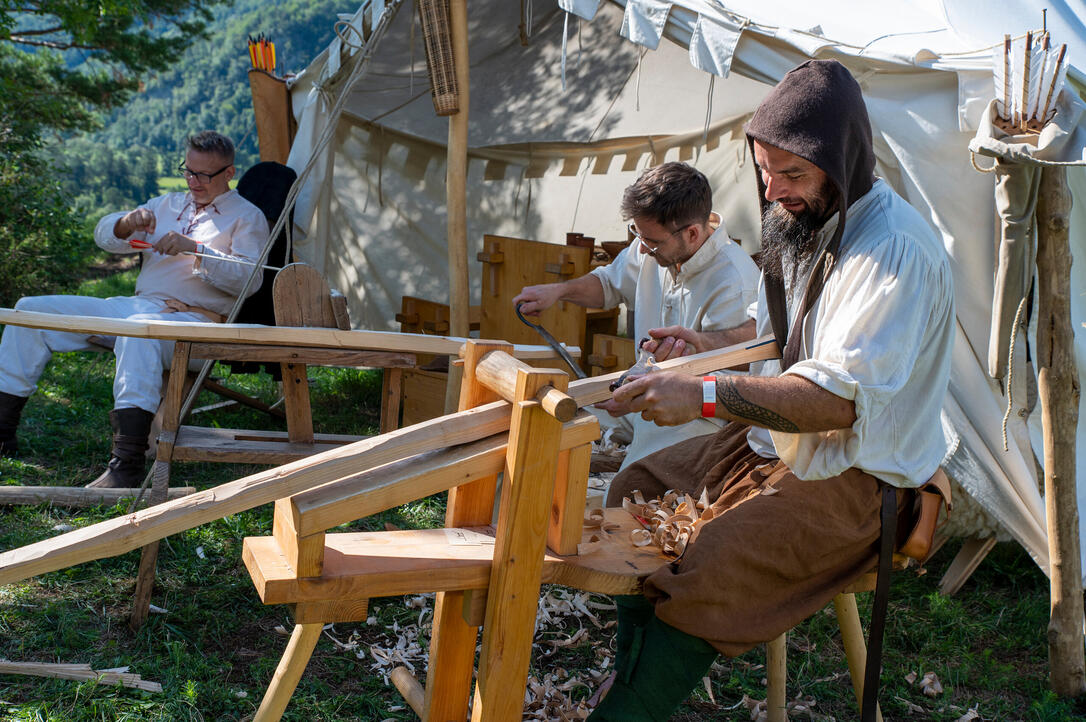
<point>391,485</point>
<point>456,183</point>
<point>79,672</point>
<point>116,536</point>
<point>256,334</point>
<point>77,496</point>
<point>365,565</point>
<point>1058,391</point>
<point>513,592</point>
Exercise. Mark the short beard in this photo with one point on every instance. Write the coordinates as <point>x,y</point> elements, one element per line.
<point>788,240</point>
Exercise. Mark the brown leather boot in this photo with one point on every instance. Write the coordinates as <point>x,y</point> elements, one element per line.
<point>131,427</point>
<point>11,408</point>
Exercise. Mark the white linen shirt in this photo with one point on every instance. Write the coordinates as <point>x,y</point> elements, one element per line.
<point>881,335</point>
<point>710,292</point>
<point>229,226</point>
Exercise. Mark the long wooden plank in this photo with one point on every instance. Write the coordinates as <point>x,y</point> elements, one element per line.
<point>205,443</point>
<point>116,536</point>
<point>513,593</point>
<point>392,485</point>
<point>303,355</point>
<point>361,565</point>
<point>76,496</point>
<point>257,334</point>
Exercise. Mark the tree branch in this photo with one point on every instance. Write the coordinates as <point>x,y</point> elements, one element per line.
<point>20,33</point>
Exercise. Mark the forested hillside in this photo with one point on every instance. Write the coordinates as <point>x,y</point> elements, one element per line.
<point>207,87</point>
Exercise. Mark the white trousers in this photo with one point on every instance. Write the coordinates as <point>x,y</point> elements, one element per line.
<point>24,352</point>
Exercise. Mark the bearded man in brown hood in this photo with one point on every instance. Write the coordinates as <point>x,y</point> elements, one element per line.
<point>858,291</point>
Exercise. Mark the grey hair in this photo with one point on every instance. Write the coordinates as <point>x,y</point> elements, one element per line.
<point>208,141</point>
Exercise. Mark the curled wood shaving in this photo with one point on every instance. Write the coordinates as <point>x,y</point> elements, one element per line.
<point>670,522</point>
<point>930,685</point>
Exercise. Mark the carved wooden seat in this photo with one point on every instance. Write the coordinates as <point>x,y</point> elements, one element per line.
<point>542,454</point>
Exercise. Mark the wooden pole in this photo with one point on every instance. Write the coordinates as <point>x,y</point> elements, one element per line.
<point>456,180</point>
<point>247,333</point>
<point>1058,389</point>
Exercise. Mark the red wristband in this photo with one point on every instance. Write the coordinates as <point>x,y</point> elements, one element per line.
<point>708,396</point>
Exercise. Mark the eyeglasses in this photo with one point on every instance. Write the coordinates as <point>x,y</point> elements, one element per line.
<point>651,250</point>
<point>188,174</point>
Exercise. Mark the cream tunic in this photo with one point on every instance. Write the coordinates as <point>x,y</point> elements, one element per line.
<point>710,292</point>
<point>881,335</point>
<point>228,226</point>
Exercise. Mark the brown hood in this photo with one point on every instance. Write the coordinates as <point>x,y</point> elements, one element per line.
<point>816,112</point>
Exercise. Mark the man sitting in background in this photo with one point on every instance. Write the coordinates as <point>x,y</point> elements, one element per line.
<point>174,285</point>
<point>697,279</point>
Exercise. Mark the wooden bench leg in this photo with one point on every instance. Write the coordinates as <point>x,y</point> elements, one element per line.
<point>145,578</point>
<point>852,637</point>
<point>776,665</point>
<point>299,649</point>
<point>965,563</point>
<point>391,391</point>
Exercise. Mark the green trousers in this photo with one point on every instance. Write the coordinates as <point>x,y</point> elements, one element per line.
<point>656,666</point>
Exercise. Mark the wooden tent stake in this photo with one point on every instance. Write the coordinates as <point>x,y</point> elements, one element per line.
<point>1058,390</point>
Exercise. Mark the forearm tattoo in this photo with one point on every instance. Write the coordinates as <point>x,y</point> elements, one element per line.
<point>728,396</point>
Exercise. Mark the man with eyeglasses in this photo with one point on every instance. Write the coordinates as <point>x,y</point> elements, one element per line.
<point>210,219</point>
<point>679,272</point>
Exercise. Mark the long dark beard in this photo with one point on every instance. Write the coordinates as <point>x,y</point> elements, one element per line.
<point>788,240</point>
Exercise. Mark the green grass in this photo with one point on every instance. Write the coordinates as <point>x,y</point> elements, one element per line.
<point>216,648</point>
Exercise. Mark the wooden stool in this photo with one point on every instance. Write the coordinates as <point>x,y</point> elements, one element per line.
<point>852,637</point>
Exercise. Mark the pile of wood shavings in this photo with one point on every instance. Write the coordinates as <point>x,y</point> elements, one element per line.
<point>668,522</point>
<point>564,620</point>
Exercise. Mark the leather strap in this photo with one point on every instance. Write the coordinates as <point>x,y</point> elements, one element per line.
<point>777,306</point>
<point>878,610</point>
<point>173,306</point>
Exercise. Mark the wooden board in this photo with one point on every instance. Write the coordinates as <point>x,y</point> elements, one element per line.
<point>611,353</point>
<point>244,446</point>
<point>510,264</point>
<point>423,395</point>
<point>366,565</point>
<point>78,496</point>
<point>255,333</point>
<point>389,486</point>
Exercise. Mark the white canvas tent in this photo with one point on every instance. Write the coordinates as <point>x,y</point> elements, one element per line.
<point>562,120</point>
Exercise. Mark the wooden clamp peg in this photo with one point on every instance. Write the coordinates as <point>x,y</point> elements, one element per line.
<point>603,361</point>
<point>564,266</point>
<point>498,372</point>
<point>491,256</point>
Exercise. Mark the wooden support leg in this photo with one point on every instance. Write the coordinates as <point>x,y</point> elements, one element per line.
<point>568,503</point>
<point>145,578</point>
<point>452,643</point>
<point>852,637</point>
<point>776,666</point>
<point>177,385</point>
<point>513,593</point>
<point>965,563</point>
<point>299,649</point>
<point>412,691</point>
<point>391,390</point>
